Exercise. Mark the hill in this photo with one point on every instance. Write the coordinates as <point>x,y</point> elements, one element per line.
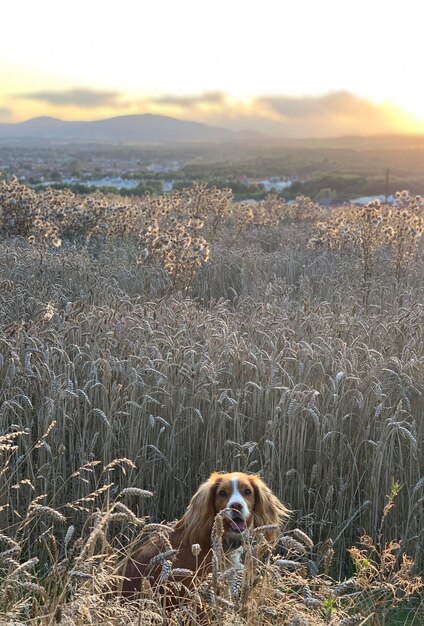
<point>128,128</point>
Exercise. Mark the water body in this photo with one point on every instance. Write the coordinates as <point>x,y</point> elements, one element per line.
<point>107,181</point>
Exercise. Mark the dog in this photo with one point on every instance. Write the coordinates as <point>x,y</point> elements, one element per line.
<point>245,502</point>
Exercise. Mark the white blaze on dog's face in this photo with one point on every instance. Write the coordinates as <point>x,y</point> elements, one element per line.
<point>248,503</point>
<point>235,492</point>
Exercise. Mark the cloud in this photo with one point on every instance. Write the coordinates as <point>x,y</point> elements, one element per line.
<point>188,102</point>
<point>337,113</point>
<point>83,98</point>
<point>328,115</point>
<point>340,102</point>
<point>332,114</point>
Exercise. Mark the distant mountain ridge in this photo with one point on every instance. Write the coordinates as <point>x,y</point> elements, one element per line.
<point>126,128</point>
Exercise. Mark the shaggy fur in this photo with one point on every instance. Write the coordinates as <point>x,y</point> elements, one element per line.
<point>252,504</point>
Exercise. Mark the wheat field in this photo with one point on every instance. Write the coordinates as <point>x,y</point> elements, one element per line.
<point>132,367</point>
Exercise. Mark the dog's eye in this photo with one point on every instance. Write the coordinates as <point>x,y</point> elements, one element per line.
<point>222,493</point>
<point>247,491</point>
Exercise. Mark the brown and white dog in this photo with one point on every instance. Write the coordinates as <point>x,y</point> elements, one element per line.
<point>249,503</point>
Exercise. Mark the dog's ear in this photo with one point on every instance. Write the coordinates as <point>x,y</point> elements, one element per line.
<point>198,519</point>
<point>268,508</point>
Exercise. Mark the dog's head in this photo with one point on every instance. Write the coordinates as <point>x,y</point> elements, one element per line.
<point>246,503</point>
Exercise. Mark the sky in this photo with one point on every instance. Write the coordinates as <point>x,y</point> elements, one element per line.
<point>283,67</point>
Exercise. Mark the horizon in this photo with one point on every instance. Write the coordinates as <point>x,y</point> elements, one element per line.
<point>397,134</point>
<point>288,71</point>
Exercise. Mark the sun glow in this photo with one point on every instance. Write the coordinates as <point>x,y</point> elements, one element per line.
<point>413,117</point>
<point>404,117</point>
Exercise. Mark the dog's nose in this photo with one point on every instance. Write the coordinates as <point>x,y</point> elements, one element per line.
<point>237,505</point>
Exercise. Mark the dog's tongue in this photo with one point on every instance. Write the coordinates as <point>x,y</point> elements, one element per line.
<point>239,525</point>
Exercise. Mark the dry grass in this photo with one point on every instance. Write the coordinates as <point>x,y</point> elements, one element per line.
<point>118,376</point>
<point>73,578</point>
<point>374,226</point>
